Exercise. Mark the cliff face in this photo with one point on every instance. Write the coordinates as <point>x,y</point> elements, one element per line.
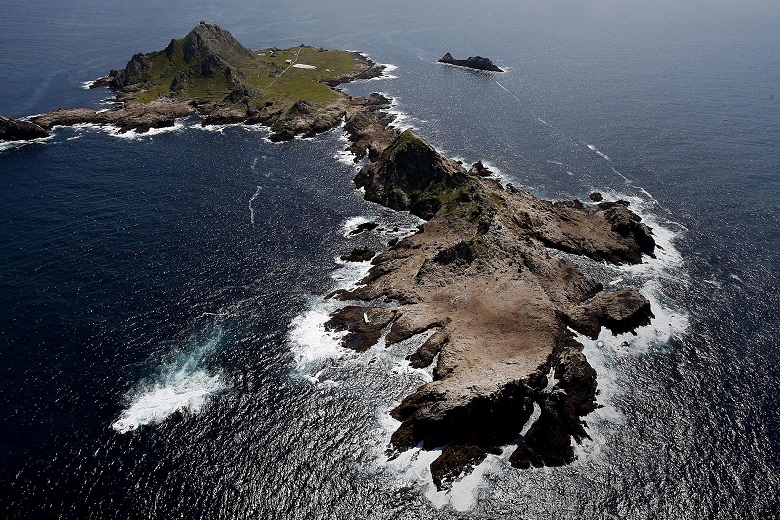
<point>480,279</point>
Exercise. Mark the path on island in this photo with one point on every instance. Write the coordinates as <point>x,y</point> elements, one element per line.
<point>285,70</point>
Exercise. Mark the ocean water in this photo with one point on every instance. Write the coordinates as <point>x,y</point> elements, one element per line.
<point>163,351</point>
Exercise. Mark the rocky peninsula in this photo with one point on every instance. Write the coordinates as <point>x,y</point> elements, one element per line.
<point>497,307</point>
<point>472,62</point>
<point>477,278</point>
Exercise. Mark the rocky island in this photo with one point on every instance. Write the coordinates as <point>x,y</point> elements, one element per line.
<point>478,278</point>
<point>472,62</point>
<point>210,73</point>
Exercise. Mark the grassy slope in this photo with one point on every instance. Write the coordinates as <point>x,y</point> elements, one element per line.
<point>294,84</point>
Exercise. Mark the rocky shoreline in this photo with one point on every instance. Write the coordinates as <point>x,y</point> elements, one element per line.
<point>18,130</point>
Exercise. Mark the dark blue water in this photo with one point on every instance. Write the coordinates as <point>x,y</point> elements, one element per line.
<point>185,270</point>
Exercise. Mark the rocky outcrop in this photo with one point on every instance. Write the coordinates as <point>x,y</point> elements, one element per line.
<point>497,307</point>
<point>366,125</point>
<point>160,113</point>
<point>472,62</point>
<point>612,233</point>
<point>359,254</point>
<point>621,311</point>
<point>480,170</point>
<point>411,175</point>
<point>363,325</point>
<point>367,69</point>
<point>15,130</point>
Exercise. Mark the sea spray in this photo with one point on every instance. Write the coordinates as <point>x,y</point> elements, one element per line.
<point>182,384</point>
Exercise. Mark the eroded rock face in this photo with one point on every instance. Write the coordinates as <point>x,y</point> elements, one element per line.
<point>480,279</point>
<point>15,130</point>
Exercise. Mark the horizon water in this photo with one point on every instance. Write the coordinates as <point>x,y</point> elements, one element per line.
<point>164,352</point>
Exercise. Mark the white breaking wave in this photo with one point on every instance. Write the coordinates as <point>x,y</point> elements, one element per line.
<point>599,152</point>
<point>343,154</point>
<point>181,385</point>
<point>351,223</point>
<point>9,145</point>
<point>386,73</point>
<point>401,120</point>
<point>309,342</point>
<point>115,131</point>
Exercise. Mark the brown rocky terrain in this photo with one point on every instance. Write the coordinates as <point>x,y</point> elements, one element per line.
<point>159,113</point>
<point>479,279</point>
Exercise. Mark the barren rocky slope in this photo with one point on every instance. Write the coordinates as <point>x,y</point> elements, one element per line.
<point>479,278</point>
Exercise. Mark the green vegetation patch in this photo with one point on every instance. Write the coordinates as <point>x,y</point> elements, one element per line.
<point>210,66</point>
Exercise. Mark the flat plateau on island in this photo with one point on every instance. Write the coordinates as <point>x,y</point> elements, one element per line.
<point>478,277</point>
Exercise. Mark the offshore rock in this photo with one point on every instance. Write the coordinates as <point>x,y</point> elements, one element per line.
<point>472,62</point>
